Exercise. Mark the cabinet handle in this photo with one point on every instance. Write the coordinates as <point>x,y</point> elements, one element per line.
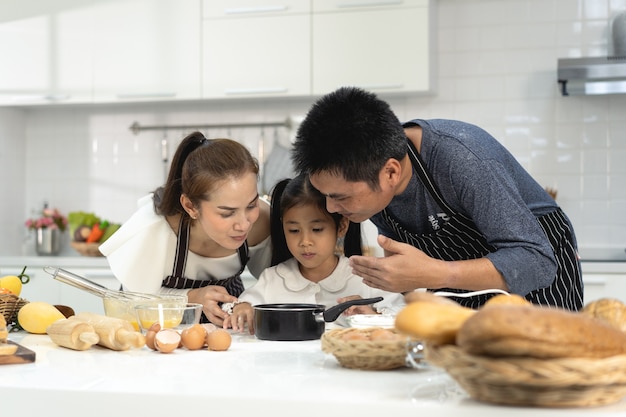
<point>370,3</point>
<point>380,86</point>
<point>125,96</point>
<point>594,280</point>
<point>261,9</point>
<point>255,91</point>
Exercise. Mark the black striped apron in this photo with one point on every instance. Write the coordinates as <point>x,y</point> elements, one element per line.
<point>460,239</point>
<point>233,284</point>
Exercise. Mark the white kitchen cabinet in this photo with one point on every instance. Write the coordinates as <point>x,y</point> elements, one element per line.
<point>46,53</point>
<point>382,46</point>
<point>43,287</point>
<point>604,285</point>
<point>146,50</point>
<point>254,48</point>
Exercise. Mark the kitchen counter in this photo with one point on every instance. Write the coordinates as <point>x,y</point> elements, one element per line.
<point>254,377</point>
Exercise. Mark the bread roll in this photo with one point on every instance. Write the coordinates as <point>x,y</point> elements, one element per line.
<point>610,310</point>
<point>432,322</point>
<point>539,332</point>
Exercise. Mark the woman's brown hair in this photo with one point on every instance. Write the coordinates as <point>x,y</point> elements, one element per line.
<point>198,166</point>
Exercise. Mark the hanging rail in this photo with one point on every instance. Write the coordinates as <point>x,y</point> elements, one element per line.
<point>136,127</point>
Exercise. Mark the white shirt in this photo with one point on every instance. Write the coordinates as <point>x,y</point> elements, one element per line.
<point>284,283</point>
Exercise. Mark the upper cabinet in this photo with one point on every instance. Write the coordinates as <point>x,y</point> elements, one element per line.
<point>70,51</point>
<point>46,54</point>
<point>255,48</point>
<point>109,51</point>
<point>146,50</point>
<point>381,46</point>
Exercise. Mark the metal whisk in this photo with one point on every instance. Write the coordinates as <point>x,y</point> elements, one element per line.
<point>94,288</point>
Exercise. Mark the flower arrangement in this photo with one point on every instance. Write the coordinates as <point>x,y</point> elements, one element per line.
<point>50,219</point>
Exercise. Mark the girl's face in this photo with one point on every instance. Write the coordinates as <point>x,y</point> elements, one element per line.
<point>228,216</point>
<point>311,237</point>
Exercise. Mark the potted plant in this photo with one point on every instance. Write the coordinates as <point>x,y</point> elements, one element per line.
<point>49,228</point>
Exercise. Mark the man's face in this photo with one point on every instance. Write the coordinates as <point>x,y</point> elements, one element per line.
<point>354,200</point>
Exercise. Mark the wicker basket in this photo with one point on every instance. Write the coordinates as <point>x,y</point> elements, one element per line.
<point>10,304</point>
<point>565,382</point>
<point>365,354</point>
<point>86,249</point>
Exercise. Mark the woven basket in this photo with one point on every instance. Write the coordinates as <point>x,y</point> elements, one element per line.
<point>564,382</point>
<point>86,249</point>
<point>10,304</point>
<point>365,354</point>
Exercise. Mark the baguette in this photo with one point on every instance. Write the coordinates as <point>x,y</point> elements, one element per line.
<point>538,332</point>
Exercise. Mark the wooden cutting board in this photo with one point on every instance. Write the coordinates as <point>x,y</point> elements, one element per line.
<point>22,355</point>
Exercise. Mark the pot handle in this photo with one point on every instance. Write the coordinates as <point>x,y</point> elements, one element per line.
<point>333,313</point>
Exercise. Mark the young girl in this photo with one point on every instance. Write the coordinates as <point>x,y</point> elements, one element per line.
<point>196,234</point>
<point>306,267</point>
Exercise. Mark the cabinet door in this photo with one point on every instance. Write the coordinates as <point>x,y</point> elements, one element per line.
<point>376,48</point>
<point>257,54</point>
<point>147,50</point>
<point>599,285</point>
<point>46,53</point>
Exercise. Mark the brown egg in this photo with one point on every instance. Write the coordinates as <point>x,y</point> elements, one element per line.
<point>355,335</point>
<point>218,340</point>
<point>194,337</point>
<point>166,340</point>
<point>152,331</point>
<point>384,335</point>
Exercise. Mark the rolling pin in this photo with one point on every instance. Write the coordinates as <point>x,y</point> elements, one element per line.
<point>114,333</point>
<point>73,334</point>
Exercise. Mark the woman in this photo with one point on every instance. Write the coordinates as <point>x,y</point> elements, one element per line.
<point>198,232</point>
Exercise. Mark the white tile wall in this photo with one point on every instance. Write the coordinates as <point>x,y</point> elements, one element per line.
<point>496,68</point>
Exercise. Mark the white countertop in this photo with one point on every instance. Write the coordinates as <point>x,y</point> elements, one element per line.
<point>259,378</point>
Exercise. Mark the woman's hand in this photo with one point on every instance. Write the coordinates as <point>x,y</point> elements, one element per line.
<point>242,314</point>
<point>209,297</point>
<point>350,311</point>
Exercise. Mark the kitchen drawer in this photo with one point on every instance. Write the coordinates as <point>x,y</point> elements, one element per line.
<point>351,5</point>
<point>247,8</point>
<point>604,285</point>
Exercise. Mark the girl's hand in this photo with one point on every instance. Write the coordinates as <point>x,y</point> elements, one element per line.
<point>209,297</point>
<point>242,314</point>
<point>350,311</point>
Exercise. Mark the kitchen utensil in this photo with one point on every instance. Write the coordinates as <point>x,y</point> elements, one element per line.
<point>119,304</point>
<point>94,288</point>
<point>293,321</point>
<point>22,355</point>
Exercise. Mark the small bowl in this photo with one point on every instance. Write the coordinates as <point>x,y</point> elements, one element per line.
<point>169,315</point>
<point>125,309</point>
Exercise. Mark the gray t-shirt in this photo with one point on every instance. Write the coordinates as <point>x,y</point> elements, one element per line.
<point>479,178</point>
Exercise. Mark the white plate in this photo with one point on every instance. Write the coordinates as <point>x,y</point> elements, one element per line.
<point>370,320</point>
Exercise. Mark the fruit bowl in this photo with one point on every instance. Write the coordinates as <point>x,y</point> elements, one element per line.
<point>86,249</point>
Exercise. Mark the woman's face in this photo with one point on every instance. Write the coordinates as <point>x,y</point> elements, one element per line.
<point>232,209</point>
<point>311,237</point>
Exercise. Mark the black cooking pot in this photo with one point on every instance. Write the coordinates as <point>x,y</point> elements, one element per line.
<point>292,321</point>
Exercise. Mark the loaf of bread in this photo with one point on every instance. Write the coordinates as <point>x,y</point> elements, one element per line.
<point>610,310</point>
<point>539,332</point>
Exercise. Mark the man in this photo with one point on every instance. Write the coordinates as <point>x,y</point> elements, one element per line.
<point>454,209</point>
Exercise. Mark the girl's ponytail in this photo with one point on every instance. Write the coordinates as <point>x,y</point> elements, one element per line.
<point>352,240</point>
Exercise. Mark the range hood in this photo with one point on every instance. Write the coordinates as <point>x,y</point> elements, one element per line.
<point>592,76</point>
